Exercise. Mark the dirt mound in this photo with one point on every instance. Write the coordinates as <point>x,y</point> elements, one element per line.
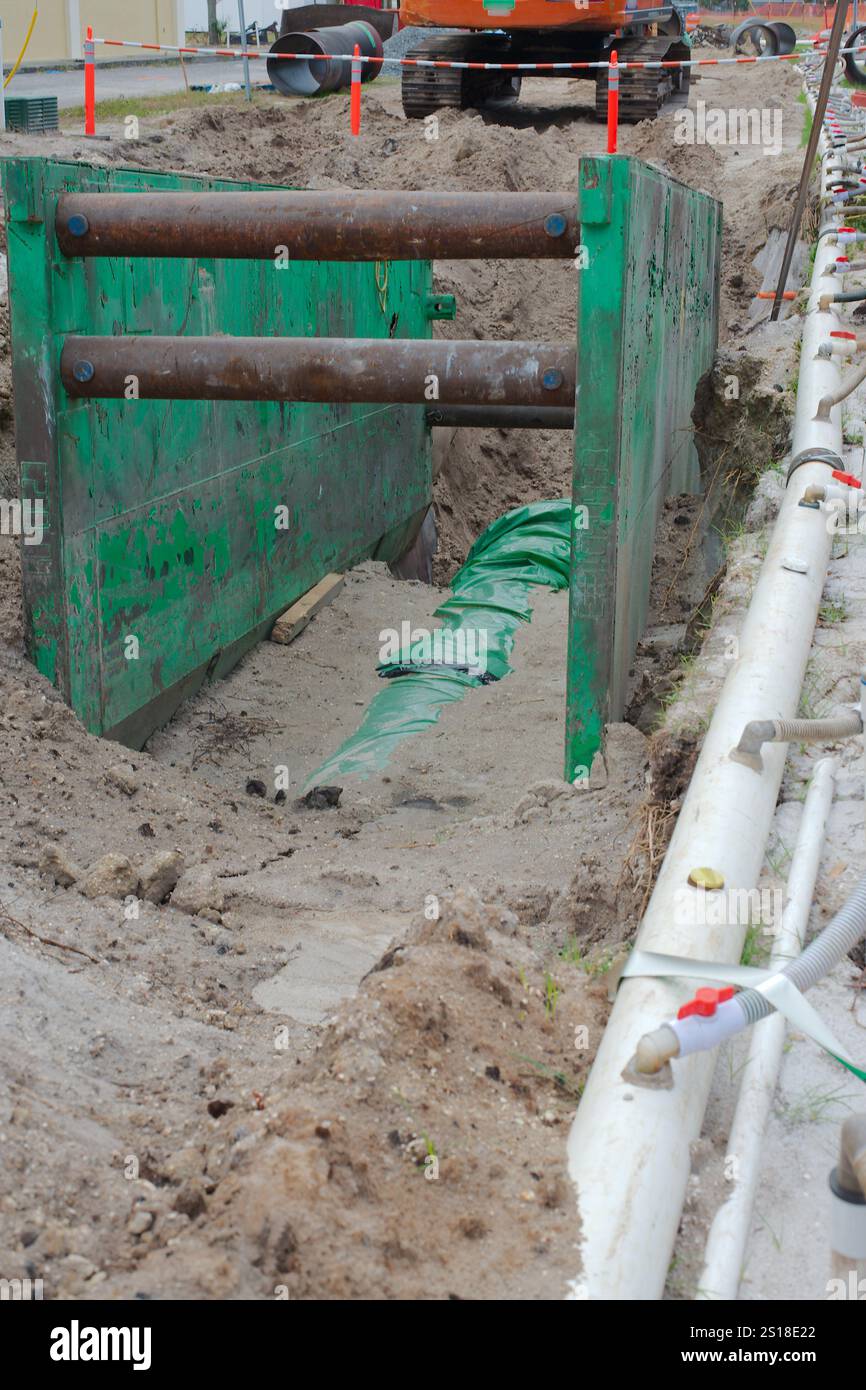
<point>307,144</point>
<point>381,1168</point>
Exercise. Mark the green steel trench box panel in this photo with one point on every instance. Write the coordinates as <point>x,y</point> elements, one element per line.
<point>160,562</point>
<point>647,327</point>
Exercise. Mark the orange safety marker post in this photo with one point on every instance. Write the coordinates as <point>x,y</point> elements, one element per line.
<point>612,103</point>
<point>89,83</point>
<point>355,97</point>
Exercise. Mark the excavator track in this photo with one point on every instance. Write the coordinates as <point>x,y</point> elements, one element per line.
<point>644,91</point>
<point>425,90</point>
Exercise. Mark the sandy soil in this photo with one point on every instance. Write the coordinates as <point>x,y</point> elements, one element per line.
<point>340,1059</point>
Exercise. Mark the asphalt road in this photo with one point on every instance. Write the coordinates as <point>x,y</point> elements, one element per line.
<point>149,79</point>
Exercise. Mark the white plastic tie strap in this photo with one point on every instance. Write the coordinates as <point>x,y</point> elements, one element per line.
<point>777,989</point>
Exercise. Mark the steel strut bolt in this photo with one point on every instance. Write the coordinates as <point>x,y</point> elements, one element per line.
<point>555,224</point>
<point>78,224</point>
<point>84,370</point>
<point>552,379</point>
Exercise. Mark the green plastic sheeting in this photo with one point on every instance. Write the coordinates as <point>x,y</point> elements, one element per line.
<point>524,549</point>
<point>849,1066</point>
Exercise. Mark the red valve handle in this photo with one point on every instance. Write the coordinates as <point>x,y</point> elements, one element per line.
<point>706,1001</point>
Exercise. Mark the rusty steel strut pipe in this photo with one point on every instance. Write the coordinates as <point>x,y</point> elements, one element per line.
<point>385,370</point>
<point>320,226</point>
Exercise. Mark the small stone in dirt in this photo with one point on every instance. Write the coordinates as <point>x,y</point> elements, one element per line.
<point>198,891</point>
<point>55,863</point>
<point>190,1199</point>
<point>139,1222</point>
<point>508,921</point>
<point>111,876</point>
<point>541,794</point>
<point>320,798</point>
<point>667,637</point>
<point>147,830</point>
<point>216,1108</point>
<point>53,1242</point>
<point>280,797</point>
<point>159,876</point>
<point>467,147</point>
<point>463,917</point>
<point>494,1073</point>
<point>183,1164</point>
<point>122,777</point>
<point>255,787</point>
<point>26,704</point>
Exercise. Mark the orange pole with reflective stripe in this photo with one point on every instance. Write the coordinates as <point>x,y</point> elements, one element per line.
<point>355,95</point>
<point>89,83</point>
<point>612,103</point>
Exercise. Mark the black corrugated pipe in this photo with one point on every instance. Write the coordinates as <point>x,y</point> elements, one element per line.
<point>317,78</point>
<point>785,35</point>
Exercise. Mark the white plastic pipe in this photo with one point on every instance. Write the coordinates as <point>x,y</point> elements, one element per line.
<point>628,1150</point>
<point>729,1233</point>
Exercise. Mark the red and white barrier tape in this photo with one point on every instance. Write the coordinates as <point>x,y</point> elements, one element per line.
<point>480,67</point>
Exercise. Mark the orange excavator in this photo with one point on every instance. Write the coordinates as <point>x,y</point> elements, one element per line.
<point>547,31</point>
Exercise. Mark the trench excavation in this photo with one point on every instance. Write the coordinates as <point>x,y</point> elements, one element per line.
<point>302,451</point>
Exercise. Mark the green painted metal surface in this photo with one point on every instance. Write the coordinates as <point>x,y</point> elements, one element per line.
<point>164,554</point>
<point>647,327</point>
